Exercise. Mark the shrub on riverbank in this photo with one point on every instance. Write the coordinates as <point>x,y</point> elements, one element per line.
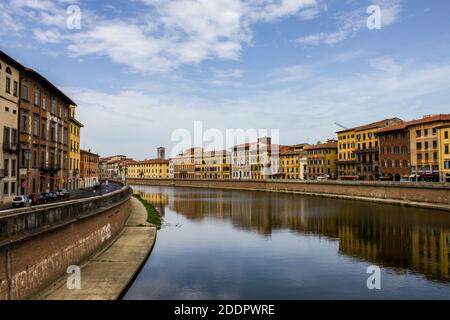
<point>153,215</point>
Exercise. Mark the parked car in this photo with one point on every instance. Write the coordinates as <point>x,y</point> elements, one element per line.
<point>64,193</point>
<point>20,202</point>
<point>37,199</point>
<point>51,196</point>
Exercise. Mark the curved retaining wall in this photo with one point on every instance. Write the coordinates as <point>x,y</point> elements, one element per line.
<point>438,194</point>
<point>37,246</point>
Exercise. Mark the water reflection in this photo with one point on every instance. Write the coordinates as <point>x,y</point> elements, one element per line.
<point>404,239</point>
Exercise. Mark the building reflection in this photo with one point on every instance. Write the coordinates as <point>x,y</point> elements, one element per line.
<point>404,239</point>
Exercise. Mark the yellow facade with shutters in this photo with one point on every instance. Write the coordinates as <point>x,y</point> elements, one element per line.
<point>347,159</point>
<point>444,153</point>
<point>150,169</point>
<point>74,150</point>
<point>290,165</point>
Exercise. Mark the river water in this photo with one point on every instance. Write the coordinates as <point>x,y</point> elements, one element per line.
<point>221,244</point>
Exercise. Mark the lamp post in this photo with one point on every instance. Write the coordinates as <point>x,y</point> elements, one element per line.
<point>27,156</point>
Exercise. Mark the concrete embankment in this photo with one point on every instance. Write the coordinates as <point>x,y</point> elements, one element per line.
<point>106,275</point>
<point>422,195</point>
<point>38,245</point>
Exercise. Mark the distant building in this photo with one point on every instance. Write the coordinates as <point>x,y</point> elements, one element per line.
<point>184,163</point>
<point>213,165</point>
<point>241,162</point>
<point>89,168</point>
<point>75,126</point>
<point>113,167</point>
<point>161,151</point>
<point>358,151</point>
<point>444,152</point>
<point>322,159</point>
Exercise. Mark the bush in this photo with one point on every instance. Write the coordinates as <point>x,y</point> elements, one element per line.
<point>153,215</point>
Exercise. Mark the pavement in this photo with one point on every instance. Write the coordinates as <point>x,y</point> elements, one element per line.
<point>78,194</point>
<point>108,274</point>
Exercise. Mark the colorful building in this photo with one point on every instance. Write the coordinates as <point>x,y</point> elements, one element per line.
<point>213,165</point>
<point>395,152</point>
<point>241,162</point>
<point>358,151</point>
<point>44,138</point>
<point>424,144</point>
<point>184,163</point>
<point>9,118</point>
<point>89,169</point>
<point>289,163</point>
<point>74,150</point>
<point>444,152</point>
<point>322,159</point>
<point>150,169</point>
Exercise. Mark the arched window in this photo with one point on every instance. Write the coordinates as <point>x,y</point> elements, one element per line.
<point>8,70</point>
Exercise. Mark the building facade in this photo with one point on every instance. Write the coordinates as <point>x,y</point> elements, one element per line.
<point>241,162</point>
<point>74,150</point>
<point>424,147</point>
<point>358,151</point>
<point>43,127</point>
<point>9,115</point>
<point>322,159</point>
<point>213,165</point>
<point>444,152</point>
<point>184,163</point>
<point>151,169</point>
<point>395,152</point>
<point>290,163</point>
<point>89,169</point>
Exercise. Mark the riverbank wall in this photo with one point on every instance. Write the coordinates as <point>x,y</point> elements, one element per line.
<point>426,195</point>
<point>38,245</point>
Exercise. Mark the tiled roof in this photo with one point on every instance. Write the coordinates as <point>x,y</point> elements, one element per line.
<point>332,144</point>
<point>373,125</point>
<point>424,120</point>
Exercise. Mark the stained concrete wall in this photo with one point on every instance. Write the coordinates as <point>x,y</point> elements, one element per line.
<point>41,244</point>
<point>411,192</point>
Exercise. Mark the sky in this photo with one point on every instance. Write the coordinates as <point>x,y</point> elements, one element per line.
<point>141,70</point>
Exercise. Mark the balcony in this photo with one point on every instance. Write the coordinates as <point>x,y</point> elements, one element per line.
<point>368,150</point>
<point>50,168</point>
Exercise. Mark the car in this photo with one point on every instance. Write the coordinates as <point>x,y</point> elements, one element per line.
<point>65,193</point>
<point>20,202</point>
<point>37,199</point>
<point>51,196</point>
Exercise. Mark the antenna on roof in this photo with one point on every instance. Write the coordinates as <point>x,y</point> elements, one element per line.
<point>340,125</point>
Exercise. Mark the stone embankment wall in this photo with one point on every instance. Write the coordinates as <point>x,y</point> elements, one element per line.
<point>417,193</point>
<point>37,246</point>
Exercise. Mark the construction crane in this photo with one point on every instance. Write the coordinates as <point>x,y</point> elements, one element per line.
<point>340,125</point>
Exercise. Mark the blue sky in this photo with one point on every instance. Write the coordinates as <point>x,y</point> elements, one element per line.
<point>141,69</point>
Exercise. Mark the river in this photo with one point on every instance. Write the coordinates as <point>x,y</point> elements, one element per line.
<point>223,244</point>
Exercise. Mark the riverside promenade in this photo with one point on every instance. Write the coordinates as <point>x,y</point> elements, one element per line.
<point>106,275</point>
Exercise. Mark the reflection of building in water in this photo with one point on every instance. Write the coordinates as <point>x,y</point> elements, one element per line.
<point>159,200</point>
<point>395,237</point>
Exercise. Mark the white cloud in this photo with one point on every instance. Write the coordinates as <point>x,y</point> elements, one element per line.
<point>385,64</point>
<point>48,36</point>
<point>323,38</point>
<point>354,21</point>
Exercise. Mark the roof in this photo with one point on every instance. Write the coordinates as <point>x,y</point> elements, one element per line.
<point>78,123</point>
<point>11,61</point>
<point>373,125</point>
<point>41,78</point>
<point>424,120</point>
<point>89,152</point>
<point>150,161</point>
<point>331,144</point>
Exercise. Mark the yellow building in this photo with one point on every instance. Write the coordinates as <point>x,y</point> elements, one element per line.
<point>322,159</point>
<point>425,162</point>
<point>213,165</point>
<point>74,150</point>
<point>150,169</point>
<point>444,152</point>
<point>290,163</point>
<point>358,151</point>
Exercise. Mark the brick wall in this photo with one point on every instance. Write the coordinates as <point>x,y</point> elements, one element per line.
<point>30,263</point>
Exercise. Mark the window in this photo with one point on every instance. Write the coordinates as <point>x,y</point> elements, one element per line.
<point>44,102</point>
<point>8,85</point>
<point>36,96</point>
<point>6,136</point>
<point>52,107</point>
<point>24,95</point>
<point>446,135</point>
<point>5,188</point>
<point>36,125</point>
<point>24,123</point>
<point>446,149</point>
<point>44,130</point>
<point>419,145</point>
<point>418,133</point>
<point>16,93</point>
<point>7,167</point>
<point>14,137</point>
<point>425,132</point>
<point>13,168</point>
